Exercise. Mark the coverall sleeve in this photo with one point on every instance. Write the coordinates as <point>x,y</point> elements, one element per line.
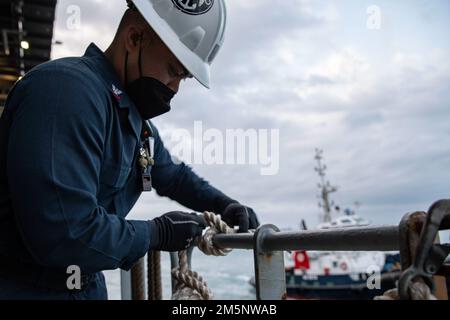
<point>180,183</point>
<point>54,160</point>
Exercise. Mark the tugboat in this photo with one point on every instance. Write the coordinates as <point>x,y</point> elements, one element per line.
<point>339,275</point>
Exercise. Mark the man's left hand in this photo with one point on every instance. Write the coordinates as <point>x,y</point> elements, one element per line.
<point>236,214</point>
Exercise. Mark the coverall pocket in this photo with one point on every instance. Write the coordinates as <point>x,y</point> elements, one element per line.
<point>114,176</point>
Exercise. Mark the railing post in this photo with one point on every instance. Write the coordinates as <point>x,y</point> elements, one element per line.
<point>125,284</point>
<point>270,278</point>
<point>154,283</point>
<point>132,283</point>
<point>138,276</point>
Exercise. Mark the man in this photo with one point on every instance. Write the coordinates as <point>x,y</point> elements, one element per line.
<point>77,151</point>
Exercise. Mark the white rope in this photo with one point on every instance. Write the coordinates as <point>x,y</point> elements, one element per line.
<point>190,285</point>
<point>216,226</point>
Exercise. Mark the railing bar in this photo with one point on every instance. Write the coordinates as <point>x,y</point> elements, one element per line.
<point>234,241</point>
<point>384,238</point>
<point>367,239</point>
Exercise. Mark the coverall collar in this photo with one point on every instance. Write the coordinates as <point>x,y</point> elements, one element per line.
<point>97,60</point>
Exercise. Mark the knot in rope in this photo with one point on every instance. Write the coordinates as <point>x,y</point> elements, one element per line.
<point>216,226</point>
<point>189,284</point>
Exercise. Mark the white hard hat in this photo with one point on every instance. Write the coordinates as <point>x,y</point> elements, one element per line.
<point>192,29</point>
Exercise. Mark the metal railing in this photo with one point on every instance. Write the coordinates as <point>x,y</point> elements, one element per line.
<point>383,238</point>
<point>269,243</point>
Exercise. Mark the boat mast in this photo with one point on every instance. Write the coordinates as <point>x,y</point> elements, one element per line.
<point>325,188</point>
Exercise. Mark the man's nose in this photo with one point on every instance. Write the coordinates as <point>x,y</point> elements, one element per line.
<point>174,85</point>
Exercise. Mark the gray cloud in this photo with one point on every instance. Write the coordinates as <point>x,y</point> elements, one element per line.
<point>382,122</point>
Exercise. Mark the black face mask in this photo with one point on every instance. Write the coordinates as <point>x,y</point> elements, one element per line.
<point>151,96</point>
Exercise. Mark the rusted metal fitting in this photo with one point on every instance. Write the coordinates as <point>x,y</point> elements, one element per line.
<point>422,257</point>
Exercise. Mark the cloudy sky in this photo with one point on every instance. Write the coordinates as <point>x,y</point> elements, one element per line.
<point>376,100</point>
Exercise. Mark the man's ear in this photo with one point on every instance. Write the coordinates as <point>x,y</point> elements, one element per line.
<point>132,39</point>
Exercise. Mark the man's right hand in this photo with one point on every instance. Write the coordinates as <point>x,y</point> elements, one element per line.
<point>175,231</point>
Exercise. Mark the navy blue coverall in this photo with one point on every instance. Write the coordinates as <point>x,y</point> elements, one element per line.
<point>69,140</point>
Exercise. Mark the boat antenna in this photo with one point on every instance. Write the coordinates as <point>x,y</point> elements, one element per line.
<point>325,203</point>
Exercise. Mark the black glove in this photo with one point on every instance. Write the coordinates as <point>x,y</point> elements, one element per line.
<point>175,231</point>
<point>236,214</point>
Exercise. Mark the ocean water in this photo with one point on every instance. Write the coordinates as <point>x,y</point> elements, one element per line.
<point>227,277</point>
